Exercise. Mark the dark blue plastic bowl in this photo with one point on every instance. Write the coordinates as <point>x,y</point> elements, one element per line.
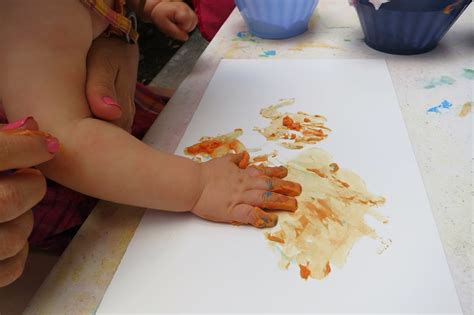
<point>407,27</point>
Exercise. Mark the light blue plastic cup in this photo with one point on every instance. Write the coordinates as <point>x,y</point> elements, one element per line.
<point>277,19</point>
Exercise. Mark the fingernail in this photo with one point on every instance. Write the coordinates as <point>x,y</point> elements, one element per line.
<point>52,144</point>
<point>264,219</point>
<point>110,101</point>
<point>17,124</point>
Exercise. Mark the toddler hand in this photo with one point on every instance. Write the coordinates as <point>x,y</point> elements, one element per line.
<point>233,195</point>
<point>174,18</point>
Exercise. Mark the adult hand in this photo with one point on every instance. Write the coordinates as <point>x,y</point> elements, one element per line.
<point>21,146</point>
<point>112,66</point>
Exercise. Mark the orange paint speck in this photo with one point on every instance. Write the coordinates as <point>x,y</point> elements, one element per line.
<point>304,272</point>
<point>317,172</point>
<point>327,269</point>
<point>260,158</point>
<point>290,124</point>
<point>306,120</point>
<point>207,146</point>
<point>274,238</point>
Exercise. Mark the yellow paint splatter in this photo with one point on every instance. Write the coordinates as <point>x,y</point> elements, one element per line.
<point>292,131</point>
<point>466,109</point>
<point>330,217</point>
<point>303,46</point>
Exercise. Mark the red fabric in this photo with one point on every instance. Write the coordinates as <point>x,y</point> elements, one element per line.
<point>212,14</point>
<point>62,211</point>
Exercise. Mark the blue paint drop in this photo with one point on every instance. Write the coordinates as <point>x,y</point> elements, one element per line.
<point>437,109</point>
<point>268,53</point>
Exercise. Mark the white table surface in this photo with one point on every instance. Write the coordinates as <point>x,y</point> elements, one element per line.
<point>442,144</point>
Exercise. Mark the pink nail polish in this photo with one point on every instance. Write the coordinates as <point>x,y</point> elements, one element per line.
<point>110,101</point>
<point>17,124</point>
<point>53,145</point>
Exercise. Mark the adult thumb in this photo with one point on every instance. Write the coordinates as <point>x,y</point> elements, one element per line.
<point>100,86</point>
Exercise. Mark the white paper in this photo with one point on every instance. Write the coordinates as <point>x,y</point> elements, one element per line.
<point>179,263</point>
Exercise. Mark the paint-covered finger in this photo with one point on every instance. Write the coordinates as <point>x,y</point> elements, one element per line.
<point>234,158</point>
<point>278,171</point>
<point>244,162</point>
<point>270,200</point>
<point>247,214</point>
<point>274,184</point>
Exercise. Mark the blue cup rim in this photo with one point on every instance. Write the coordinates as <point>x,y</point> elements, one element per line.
<point>382,7</point>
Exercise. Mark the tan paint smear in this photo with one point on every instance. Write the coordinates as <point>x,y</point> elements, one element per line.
<point>292,131</point>
<point>330,217</point>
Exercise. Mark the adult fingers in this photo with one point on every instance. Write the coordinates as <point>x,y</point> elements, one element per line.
<point>12,268</point>
<point>269,200</point>
<point>246,214</point>
<point>14,235</point>
<point>274,184</point>
<point>19,192</point>
<point>21,148</point>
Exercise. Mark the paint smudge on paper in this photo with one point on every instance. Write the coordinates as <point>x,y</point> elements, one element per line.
<point>468,74</point>
<point>245,37</point>
<point>330,218</point>
<point>214,147</point>
<point>438,108</point>
<point>443,80</point>
<point>292,131</point>
<point>234,48</point>
<point>264,159</point>
<point>268,53</point>
<point>466,109</point>
<point>303,46</point>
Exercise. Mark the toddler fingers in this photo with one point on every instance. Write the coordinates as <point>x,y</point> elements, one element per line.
<point>274,184</point>
<point>186,19</point>
<point>169,27</point>
<point>278,171</point>
<point>255,216</point>
<point>269,200</point>
<point>244,162</point>
<point>236,158</point>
